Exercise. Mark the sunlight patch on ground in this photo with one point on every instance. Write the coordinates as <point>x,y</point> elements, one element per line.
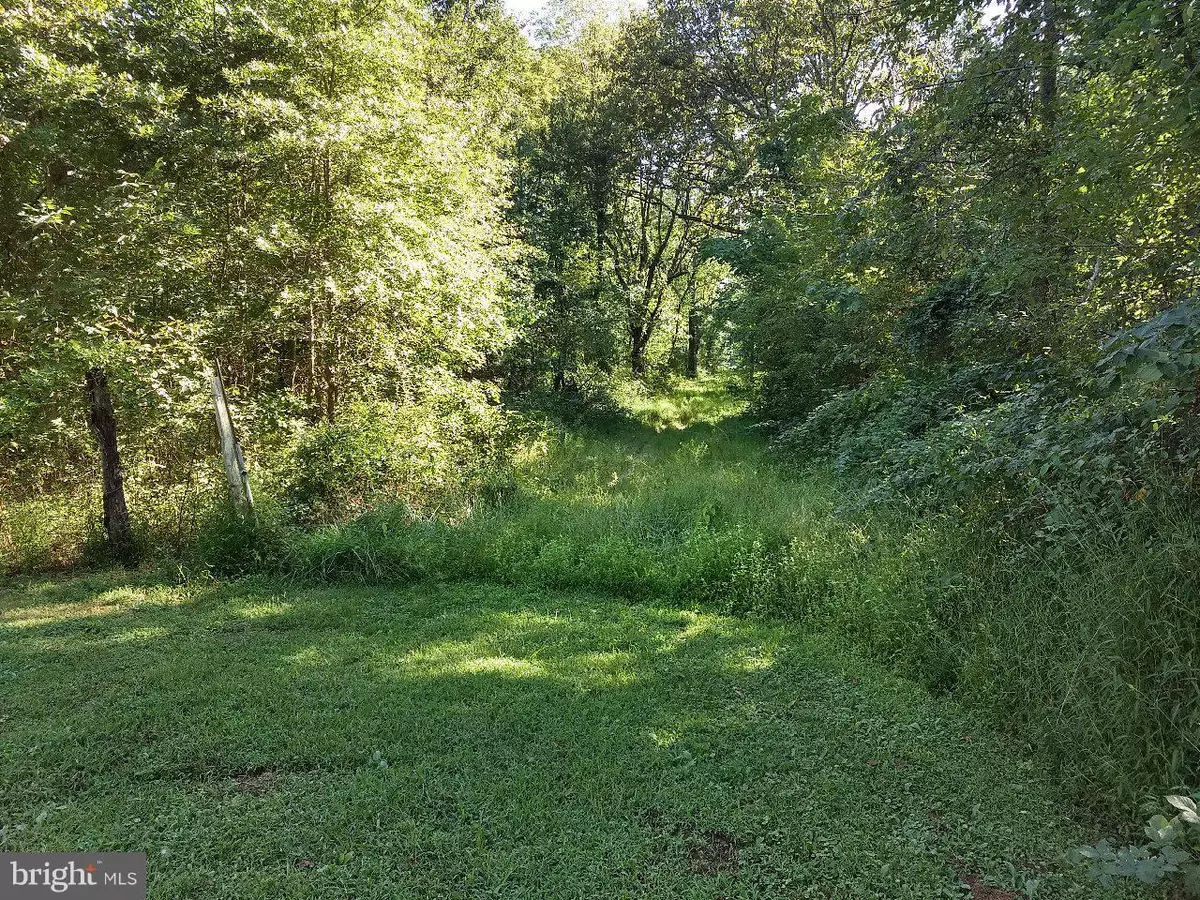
<point>138,635</point>
<point>504,665</point>
<point>612,668</point>
<point>697,625</point>
<point>464,658</point>
<point>59,616</point>
<point>308,658</point>
<point>664,737</point>
<point>753,659</point>
<point>601,668</point>
<point>100,605</point>
<point>263,610</point>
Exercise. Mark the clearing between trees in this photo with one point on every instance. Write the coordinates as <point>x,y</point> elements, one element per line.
<point>520,422</point>
<point>450,738</point>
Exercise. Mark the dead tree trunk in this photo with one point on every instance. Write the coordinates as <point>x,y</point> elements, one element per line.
<point>104,426</point>
<point>231,451</point>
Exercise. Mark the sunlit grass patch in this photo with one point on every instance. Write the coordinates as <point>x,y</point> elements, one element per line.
<point>699,401</point>
<point>261,741</point>
<point>638,511</point>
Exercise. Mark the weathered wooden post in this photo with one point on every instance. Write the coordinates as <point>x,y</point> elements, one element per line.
<point>231,450</point>
<point>104,425</point>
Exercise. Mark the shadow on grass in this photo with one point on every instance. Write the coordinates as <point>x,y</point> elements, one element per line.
<point>524,742</point>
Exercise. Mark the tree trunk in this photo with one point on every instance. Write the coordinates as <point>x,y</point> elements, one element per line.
<point>693,351</point>
<point>1048,74</point>
<point>637,354</point>
<point>104,426</point>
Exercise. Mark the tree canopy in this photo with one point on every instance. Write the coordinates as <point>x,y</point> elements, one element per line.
<point>953,210</point>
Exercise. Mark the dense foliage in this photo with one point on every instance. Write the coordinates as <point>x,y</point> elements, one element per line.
<point>948,250</point>
<point>311,195</point>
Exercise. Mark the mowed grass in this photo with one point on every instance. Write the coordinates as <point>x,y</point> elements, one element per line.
<point>260,740</point>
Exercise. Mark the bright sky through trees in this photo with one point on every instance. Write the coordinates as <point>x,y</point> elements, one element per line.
<point>524,8</point>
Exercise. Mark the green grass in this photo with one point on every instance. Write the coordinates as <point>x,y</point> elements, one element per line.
<point>630,662</point>
<point>678,500</point>
<point>469,740</point>
<point>1086,650</point>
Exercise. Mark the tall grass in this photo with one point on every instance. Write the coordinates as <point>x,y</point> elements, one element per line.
<point>678,501</point>
<point>1090,646</point>
<point>64,528</point>
<point>47,532</point>
<point>1086,646</point>
<point>1087,643</point>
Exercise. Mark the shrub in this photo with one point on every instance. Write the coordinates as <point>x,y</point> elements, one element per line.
<point>228,543</point>
<point>44,532</point>
<point>1068,605</point>
<point>428,457</point>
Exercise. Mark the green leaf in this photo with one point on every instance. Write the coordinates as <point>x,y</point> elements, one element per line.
<point>1187,808</point>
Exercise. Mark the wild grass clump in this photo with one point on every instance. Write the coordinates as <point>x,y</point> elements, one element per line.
<point>57,530</point>
<point>39,533</point>
<point>1090,645</point>
<point>640,509</point>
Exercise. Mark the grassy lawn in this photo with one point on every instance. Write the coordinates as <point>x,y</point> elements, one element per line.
<point>470,740</point>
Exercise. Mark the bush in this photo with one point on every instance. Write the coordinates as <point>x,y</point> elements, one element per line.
<point>228,543</point>
<point>1064,596</point>
<point>428,457</point>
<point>44,532</point>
